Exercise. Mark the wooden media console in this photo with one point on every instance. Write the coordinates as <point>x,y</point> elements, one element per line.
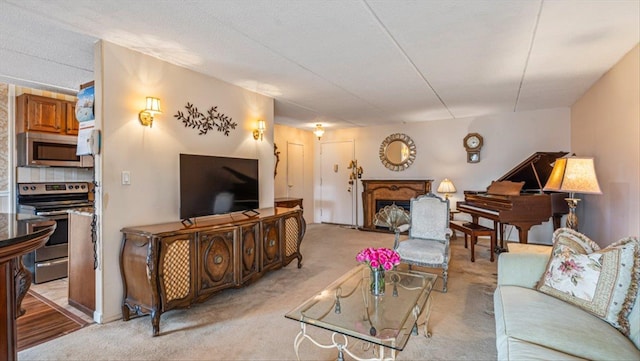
<point>170,265</point>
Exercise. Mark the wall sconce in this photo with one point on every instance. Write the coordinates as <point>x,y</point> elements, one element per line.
<point>573,175</point>
<point>446,187</point>
<point>152,108</point>
<point>319,131</point>
<point>258,133</point>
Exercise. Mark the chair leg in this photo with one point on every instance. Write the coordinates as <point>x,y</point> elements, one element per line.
<point>465,241</point>
<point>445,276</point>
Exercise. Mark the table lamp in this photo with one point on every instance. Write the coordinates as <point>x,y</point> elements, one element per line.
<point>446,187</point>
<point>573,175</point>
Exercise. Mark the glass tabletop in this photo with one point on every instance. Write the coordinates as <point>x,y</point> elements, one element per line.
<point>347,306</point>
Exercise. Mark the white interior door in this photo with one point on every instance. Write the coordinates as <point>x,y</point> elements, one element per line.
<point>336,195</point>
<point>295,170</point>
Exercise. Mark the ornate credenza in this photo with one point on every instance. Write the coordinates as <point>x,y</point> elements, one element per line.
<point>171,265</point>
<point>377,193</point>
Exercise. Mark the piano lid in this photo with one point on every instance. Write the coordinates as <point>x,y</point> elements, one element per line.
<point>534,171</point>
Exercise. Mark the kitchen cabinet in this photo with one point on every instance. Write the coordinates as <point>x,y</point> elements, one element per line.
<point>174,265</point>
<point>36,113</point>
<point>71,123</point>
<point>82,279</point>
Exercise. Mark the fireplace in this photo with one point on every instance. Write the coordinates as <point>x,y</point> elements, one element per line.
<point>379,193</point>
<point>381,203</point>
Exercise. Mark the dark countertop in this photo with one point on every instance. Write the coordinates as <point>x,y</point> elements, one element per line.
<point>13,227</point>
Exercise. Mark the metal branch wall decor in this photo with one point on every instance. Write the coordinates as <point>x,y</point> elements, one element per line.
<point>197,120</point>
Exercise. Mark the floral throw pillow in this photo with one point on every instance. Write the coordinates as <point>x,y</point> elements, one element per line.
<point>602,282</point>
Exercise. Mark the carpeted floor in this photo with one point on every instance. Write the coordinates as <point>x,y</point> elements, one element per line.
<point>249,323</point>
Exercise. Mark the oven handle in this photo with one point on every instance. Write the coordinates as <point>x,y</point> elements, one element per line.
<point>54,214</point>
<point>52,263</point>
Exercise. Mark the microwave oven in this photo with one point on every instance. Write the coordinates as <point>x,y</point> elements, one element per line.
<point>50,150</point>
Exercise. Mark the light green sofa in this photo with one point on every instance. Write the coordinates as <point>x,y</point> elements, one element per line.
<point>531,325</point>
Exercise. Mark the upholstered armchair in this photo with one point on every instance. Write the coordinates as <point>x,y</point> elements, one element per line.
<point>428,242</point>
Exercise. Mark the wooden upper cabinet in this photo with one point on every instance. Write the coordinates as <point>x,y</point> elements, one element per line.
<point>36,113</point>
<point>70,118</point>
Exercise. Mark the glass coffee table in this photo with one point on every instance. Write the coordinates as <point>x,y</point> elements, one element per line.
<point>348,309</point>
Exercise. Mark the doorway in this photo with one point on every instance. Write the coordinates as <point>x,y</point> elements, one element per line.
<point>336,194</point>
<point>295,170</point>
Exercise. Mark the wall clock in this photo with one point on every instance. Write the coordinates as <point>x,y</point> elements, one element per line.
<point>473,143</point>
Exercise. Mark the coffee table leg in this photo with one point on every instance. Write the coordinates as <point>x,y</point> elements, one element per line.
<point>427,313</point>
<point>342,347</point>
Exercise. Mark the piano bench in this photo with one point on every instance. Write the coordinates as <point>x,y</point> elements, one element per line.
<point>474,230</point>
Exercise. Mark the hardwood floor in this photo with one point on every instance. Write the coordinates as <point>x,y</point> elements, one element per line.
<point>43,321</point>
<point>57,291</point>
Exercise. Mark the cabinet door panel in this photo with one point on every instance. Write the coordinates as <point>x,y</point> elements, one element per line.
<point>216,258</point>
<point>175,270</point>
<point>249,248</point>
<point>44,114</point>
<point>71,122</point>
<point>271,252</point>
<point>294,228</point>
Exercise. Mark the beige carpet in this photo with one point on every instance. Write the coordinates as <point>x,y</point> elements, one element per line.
<point>249,323</point>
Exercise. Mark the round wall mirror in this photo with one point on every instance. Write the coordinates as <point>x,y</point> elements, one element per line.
<point>397,152</point>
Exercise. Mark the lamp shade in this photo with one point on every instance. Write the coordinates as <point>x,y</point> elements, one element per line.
<point>153,105</point>
<point>446,186</point>
<point>574,175</point>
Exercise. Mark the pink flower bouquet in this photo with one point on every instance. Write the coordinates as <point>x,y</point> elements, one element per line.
<point>380,258</point>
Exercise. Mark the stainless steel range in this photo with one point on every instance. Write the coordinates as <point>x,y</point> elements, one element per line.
<point>51,200</point>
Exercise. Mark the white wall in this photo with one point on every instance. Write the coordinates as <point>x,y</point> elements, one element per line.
<point>123,79</point>
<point>508,139</point>
<point>605,124</point>
<point>284,135</point>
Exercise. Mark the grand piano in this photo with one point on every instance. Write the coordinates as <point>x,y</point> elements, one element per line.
<point>505,202</point>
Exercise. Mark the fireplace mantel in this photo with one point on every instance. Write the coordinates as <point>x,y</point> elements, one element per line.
<point>389,190</point>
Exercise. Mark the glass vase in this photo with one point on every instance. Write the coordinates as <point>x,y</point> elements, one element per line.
<point>377,282</point>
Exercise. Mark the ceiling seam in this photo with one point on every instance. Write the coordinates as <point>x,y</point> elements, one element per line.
<point>407,58</point>
<point>526,62</point>
<point>45,59</point>
<point>302,67</point>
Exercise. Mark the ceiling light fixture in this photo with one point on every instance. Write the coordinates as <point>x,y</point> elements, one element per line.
<point>319,131</point>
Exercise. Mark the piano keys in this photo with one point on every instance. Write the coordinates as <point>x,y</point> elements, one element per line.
<point>524,208</point>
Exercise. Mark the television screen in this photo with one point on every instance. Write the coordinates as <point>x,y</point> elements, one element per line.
<point>217,185</point>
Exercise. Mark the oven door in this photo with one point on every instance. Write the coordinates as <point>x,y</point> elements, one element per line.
<point>57,245</point>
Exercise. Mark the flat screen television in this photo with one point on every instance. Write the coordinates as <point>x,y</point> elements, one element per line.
<point>217,185</point>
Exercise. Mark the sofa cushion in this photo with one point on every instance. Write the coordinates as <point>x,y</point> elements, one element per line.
<point>602,282</point>
<point>530,316</point>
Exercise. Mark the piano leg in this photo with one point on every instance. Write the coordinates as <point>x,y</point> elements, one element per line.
<point>500,241</point>
<point>557,218</point>
<point>523,230</point>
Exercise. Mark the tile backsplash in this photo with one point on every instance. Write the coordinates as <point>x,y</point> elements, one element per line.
<point>53,174</point>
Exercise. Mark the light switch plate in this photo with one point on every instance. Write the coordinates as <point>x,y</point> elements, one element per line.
<point>126,177</point>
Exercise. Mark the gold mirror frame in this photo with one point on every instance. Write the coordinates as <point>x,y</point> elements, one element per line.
<point>407,149</point>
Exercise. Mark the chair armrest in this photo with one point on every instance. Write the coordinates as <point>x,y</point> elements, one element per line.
<point>523,266</point>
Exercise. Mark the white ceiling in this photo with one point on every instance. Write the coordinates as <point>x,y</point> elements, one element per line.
<point>342,63</point>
